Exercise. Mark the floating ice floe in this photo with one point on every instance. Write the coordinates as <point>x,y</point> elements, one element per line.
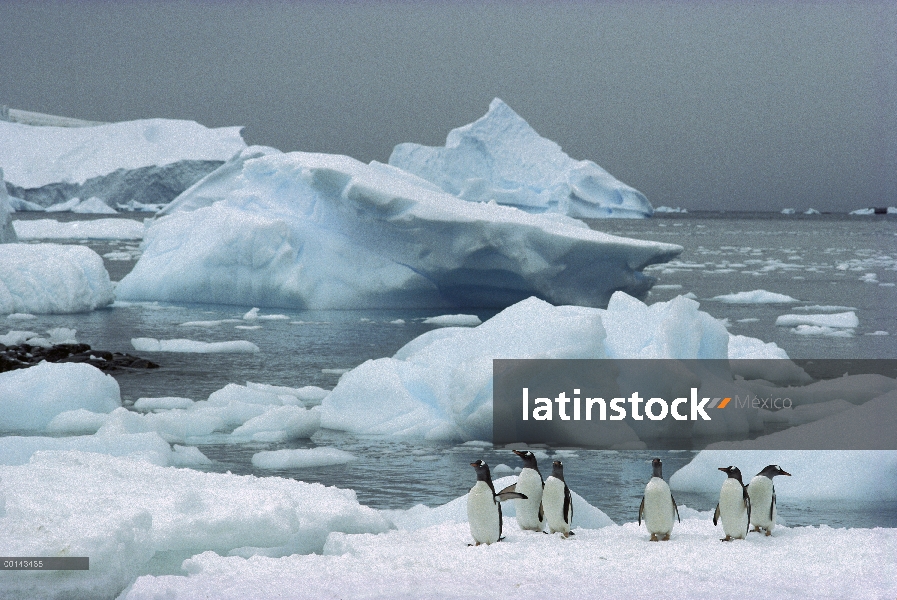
<point>98,229</point>
<point>755,297</point>
<point>328,232</point>
<point>301,458</point>
<point>669,209</point>
<point>92,205</point>
<point>182,345</point>
<point>52,278</point>
<point>439,385</point>
<point>844,319</point>
<point>454,321</point>
<point>31,398</point>
<point>500,157</point>
<point>132,517</point>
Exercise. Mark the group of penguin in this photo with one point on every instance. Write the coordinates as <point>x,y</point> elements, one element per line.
<point>549,502</point>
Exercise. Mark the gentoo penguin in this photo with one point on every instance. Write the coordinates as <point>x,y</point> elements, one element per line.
<point>658,505</point>
<point>558,501</point>
<point>529,512</point>
<point>762,493</point>
<point>484,508</point>
<point>734,507</point>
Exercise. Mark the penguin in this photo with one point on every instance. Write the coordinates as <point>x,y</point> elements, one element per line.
<point>658,505</point>
<point>762,493</point>
<point>558,501</point>
<point>484,508</point>
<point>530,514</point>
<point>734,507</point>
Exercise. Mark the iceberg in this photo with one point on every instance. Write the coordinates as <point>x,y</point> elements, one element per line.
<point>7,233</point>
<point>52,278</point>
<point>320,231</point>
<point>147,161</point>
<point>439,385</point>
<point>500,157</point>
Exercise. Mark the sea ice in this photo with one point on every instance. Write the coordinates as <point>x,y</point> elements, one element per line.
<point>439,385</point>
<point>454,320</point>
<point>755,297</point>
<point>182,345</point>
<point>98,229</point>
<point>52,278</point>
<point>301,458</point>
<point>328,232</point>
<point>844,319</point>
<point>166,403</point>
<point>500,157</point>
<point>36,156</point>
<point>131,517</point>
<point>30,398</point>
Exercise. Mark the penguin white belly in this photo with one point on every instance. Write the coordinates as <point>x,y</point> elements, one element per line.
<point>482,514</point>
<point>659,515</point>
<point>530,485</point>
<point>553,503</point>
<point>732,510</point>
<point>760,491</point>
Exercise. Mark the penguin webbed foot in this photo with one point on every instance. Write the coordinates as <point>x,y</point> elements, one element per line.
<point>653,538</point>
<point>757,528</point>
<point>768,533</point>
<point>666,538</point>
<point>728,538</point>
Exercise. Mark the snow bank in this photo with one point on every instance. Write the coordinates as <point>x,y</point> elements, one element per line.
<point>815,474</point>
<point>37,156</point>
<point>99,229</point>
<point>182,345</point>
<point>500,157</point>
<point>301,458</point>
<point>439,385</point>
<point>617,561</point>
<point>52,278</point>
<point>132,517</point>
<point>755,297</point>
<point>30,398</point>
<point>328,232</point>
<point>149,447</point>
<point>454,320</point>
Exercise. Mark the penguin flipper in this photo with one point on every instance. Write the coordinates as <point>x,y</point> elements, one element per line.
<point>675,508</point>
<point>510,488</point>
<point>541,513</point>
<point>641,510</point>
<point>500,520</point>
<point>568,505</point>
<point>747,505</point>
<point>503,496</point>
<point>772,505</point>
<point>716,515</point>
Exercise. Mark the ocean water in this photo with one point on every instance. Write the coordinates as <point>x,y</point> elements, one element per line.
<point>825,260</point>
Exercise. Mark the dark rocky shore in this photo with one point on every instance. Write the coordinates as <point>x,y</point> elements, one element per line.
<point>25,355</point>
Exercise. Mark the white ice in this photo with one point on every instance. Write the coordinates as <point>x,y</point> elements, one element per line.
<point>301,458</point>
<point>30,398</point>
<point>500,157</point>
<point>36,156</point>
<point>454,320</point>
<point>845,319</point>
<point>439,385</point>
<point>184,345</point>
<point>97,229</point>
<point>328,232</point>
<point>52,278</point>
<point>755,297</point>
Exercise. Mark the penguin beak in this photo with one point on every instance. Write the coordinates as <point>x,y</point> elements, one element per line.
<point>475,464</point>
<point>723,469</point>
<point>784,473</point>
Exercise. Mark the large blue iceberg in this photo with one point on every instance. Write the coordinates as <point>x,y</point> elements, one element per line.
<point>500,157</point>
<point>324,231</point>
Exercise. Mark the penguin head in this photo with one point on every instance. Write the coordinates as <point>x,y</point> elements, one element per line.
<point>482,470</point>
<point>529,459</point>
<point>657,464</point>
<point>557,470</point>
<point>773,470</point>
<point>732,472</point>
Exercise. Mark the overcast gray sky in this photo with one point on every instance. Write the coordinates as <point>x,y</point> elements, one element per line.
<point>702,105</point>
